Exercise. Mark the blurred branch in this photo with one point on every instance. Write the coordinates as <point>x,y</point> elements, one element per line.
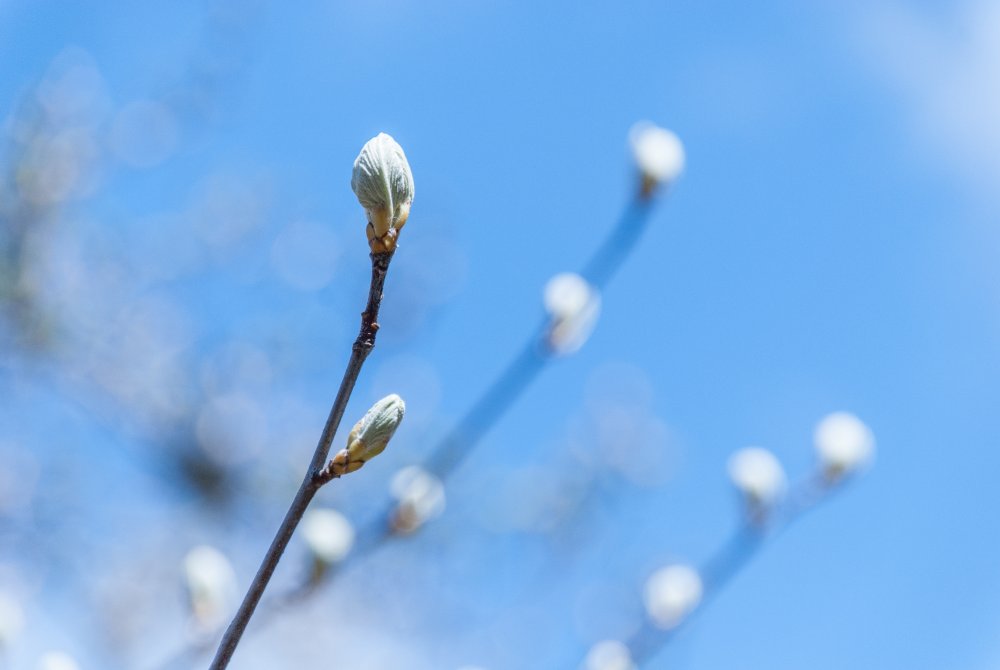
<point>533,356</point>
<point>734,556</point>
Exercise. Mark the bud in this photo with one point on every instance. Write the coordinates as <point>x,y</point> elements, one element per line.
<point>419,498</point>
<point>11,621</point>
<point>573,306</point>
<point>658,155</point>
<point>369,436</point>
<point>758,475</point>
<point>844,444</point>
<point>328,534</point>
<point>383,183</point>
<point>57,660</point>
<point>608,655</point>
<point>671,594</point>
<point>211,585</point>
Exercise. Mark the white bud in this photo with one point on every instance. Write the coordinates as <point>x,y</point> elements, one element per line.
<point>211,585</point>
<point>419,498</point>
<point>11,620</point>
<point>383,183</point>
<point>573,306</point>
<point>671,594</point>
<point>758,475</point>
<point>57,660</point>
<point>658,154</point>
<point>370,435</point>
<point>844,444</point>
<point>328,534</point>
<point>608,655</point>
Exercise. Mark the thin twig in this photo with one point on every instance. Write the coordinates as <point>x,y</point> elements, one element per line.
<point>499,396</point>
<point>312,480</point>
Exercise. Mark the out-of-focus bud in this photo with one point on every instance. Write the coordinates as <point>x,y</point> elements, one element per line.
<point>57,660</point>
<point>384,185</point>
<point>658,154</point>
<point>211,585</point>
<point>328,534</point>
<point>844,445</point>
<point>758,475</point>
<point>573,306</point>
<point>608,655</point>
<point>419,498</point>
<point>671,594</point>
<point>369,436</point>
<point>11,621</point>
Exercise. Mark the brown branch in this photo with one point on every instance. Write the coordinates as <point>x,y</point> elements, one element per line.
<point>450,452</point>
<point>313,480</point>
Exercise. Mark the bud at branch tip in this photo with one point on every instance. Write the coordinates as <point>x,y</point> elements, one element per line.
<point>383,183</point>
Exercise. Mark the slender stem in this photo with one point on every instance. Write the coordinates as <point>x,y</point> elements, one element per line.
<point>312,481</point>
<point>512,381</point>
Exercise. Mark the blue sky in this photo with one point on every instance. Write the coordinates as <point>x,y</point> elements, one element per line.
<point>832,245</point>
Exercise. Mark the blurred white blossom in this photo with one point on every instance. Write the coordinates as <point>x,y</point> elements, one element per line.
<point>758,475</point>
<point>671,594</point>
<point>658,154</point>
<point>608,655</point>
<point>211,585</point>
<point>328,534</point>
<point>57,660</point>
<point>844,444</point>
<point>573,306</point>
<point>419,498</point>
<point>11,620</point>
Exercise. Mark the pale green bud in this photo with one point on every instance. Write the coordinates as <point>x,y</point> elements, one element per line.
<point>383,183</point>
<point>369,436</point>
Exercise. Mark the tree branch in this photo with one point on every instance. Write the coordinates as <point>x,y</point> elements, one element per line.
<point>312,481</point>
<point>730,559</point>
